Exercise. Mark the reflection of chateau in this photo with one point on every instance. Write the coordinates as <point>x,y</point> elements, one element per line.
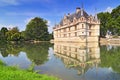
<point>78,56</point>
<point>76,27</point>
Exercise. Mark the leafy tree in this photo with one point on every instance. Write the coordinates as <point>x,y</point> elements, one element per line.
<point>51,35</point>
<point>13,34</point>
<point>104,20</point>
<point>110,21</point>
<point>14,30</point>
<point>3,33</point>
<point>16,37</point>
<point>116,12</point>
<point>37,29</point>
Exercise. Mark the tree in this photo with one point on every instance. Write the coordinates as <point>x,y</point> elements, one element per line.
<point>110,21</point>
<point>104,20</point>
<point>16,37</point>
<point>116,12</point>
<point>3,33</point>
<point>13,34</point>
<point>37,29</point>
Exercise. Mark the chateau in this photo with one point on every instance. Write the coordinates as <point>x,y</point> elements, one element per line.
<point>77,27</point>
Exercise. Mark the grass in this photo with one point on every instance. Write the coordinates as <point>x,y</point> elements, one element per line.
<point>12,73</point>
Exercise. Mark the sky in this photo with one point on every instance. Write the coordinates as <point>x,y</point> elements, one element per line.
<point>19,12</point>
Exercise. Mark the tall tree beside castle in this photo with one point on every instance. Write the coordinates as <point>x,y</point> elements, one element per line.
<point>110,22</point>
<point>37,29</point>
<point>3,32</point>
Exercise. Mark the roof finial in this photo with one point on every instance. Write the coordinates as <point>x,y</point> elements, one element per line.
<point>96,14</point>
<point>82,5</point>
<point>82,10</point>
<point>55,23</point>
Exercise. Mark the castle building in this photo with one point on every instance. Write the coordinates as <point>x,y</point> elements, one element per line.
<point>77,27</point>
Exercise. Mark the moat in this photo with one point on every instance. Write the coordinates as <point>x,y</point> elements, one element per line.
<point>67,61</point>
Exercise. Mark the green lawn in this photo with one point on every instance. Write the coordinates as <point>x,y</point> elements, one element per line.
<point>12,73</point>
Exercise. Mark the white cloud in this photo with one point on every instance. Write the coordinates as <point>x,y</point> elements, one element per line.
<point>48,22</point>
<point>50,26</point>
<point>10,26</point>
<point>22,13</point>
<point>8,2</point>
<point>109,9</point>
<point>7,26</point>
<point>17,2</point>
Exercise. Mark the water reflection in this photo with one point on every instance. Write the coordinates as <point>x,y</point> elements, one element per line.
<point>32,53</point>
<point>78,56</point>
<point>68,61</point>
<point>110,57</point>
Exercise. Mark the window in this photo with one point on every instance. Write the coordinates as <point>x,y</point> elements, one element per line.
<point>75,49</point>
<point>75,33</point>
<point>57,36</point>
<point>90,27</point>
<point>64,35</point>
<point>65,48</point>
<point>69,48</point>
<point>64,30</point>
<point>82,19</point>
<point>69,28</point>
<point>69,34</point>
<point>82,26</point>
<point>89,33</point>
<point>75,27</point>
<point>90,50</point>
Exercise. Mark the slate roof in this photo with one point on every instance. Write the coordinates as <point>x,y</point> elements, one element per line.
<point>70,17</point>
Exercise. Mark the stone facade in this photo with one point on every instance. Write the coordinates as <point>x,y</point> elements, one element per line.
<point>77,27</point>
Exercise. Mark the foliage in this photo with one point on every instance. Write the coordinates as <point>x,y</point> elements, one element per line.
<point>110,57</point>
<point>3,33</point>
<point>36,53</point>
<point>37,29</point>
<point>12,73</point>
<point>110,22</point>
<point>13,34</point>
<point>16,37</point>
<point>104,18</point>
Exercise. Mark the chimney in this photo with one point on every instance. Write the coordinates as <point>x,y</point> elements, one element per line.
<point>77,9</point>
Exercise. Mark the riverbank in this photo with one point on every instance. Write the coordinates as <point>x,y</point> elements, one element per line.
<point>107,41</point>
<point>12,73</point>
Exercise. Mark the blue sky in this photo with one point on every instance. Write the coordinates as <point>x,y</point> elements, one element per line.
<point>19,12</point>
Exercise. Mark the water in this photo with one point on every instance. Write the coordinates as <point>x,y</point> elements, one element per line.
<point>67,61</point>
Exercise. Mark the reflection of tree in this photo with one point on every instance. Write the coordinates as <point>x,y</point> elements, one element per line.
<point>110,58</point>
<point>37,53</point>
<point>7,49</point>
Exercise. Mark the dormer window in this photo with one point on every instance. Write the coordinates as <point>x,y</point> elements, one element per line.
<point>82,18</point>
<point>77,9</point>
<point>74,20</point>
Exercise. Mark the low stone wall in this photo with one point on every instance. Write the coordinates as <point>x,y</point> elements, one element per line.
<point>115,41</point>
